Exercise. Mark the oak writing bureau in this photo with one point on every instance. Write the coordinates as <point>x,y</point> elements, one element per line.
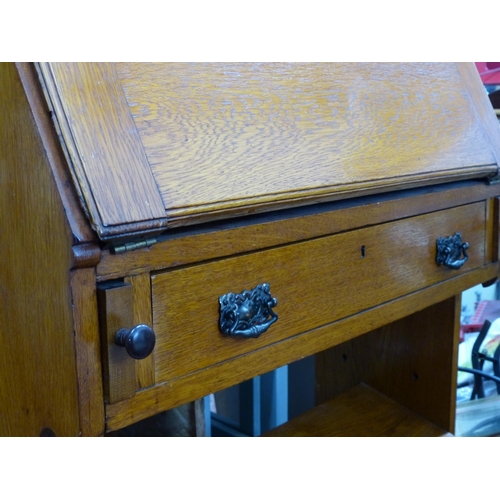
<point>170,230</point>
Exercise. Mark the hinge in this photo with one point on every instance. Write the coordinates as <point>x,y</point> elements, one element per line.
<point>135,245</point>
<point>493,180</point>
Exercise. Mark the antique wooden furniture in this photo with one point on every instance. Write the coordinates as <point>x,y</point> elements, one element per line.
<point>247,215</point>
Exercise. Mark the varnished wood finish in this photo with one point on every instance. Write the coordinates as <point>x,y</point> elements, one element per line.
<point>141,285</point>
<point>66,190</point>
<point>104,148</point>
<point>491,248</point>
<point>291,226</point>
<point>88,352</point>
<point>186,420</point>
<point>200,142</point>
<point>412,360</point>
<point>495,223</point>
<point>223,375</point>
<point>252,133</point>
<point>359,412</point>
<point>472,82</point>
<point>38,374</point>
<point>86,255</point>
<point>116,312</point>
<point>399,258</point>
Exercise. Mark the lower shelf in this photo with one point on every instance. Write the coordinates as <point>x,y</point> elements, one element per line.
<point>358,412</point>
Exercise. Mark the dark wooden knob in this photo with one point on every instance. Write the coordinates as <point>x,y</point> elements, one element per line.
<point>139,341</point>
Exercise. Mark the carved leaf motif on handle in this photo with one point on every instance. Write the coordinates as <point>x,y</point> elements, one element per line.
<point>451,251</point>
<point>249,313</point>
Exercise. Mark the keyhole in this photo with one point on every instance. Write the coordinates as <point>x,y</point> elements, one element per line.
<point>363,248</point>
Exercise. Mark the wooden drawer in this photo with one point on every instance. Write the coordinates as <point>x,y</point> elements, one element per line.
<point>315,282</point>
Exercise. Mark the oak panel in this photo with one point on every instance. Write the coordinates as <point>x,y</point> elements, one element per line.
<point>474,86</point>
<point>141,290</point>
<point>116,312</point>
<point>315,283</point>
<point>38,373</point>
<point>88,352</point>
<point>412,360</point>
<point>358,412</point>
<point>266,231</point>
<point>103,146</point>
<point>206,141</point>
<point>226,135</point>
<point>219,376</point>
<point>77,218</point>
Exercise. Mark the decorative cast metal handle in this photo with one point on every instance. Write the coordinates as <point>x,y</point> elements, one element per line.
<point>139,341</point>
<point>449,251</point>
<point>249,313</point>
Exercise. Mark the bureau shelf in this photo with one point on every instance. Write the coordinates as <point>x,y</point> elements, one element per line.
<point>358,412</point>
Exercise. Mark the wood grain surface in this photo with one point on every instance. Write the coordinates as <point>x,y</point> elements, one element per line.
<point>186,420</point>
<point>68,192</point>
<point>88,352</point>
<point>219,376</point>
<point>265,230</point>
<point>359,412</point>
<point>412,360</point>
<point>233,134</point>
<point>196,142</point>
<point>199,142</point>
<point>474,86</point>
<point>116,312</point>
<point>315,283</point>
<point>38,372</point>
<point>141,296</point>
<point>104,150</point>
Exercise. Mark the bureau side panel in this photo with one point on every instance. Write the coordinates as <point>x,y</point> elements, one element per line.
<point>412,360</point>
<point>38,389</point>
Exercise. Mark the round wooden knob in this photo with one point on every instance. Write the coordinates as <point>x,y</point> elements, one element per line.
<point>139,341</point>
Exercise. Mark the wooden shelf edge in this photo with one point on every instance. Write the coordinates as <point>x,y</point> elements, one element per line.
<point>165,395</point>
<point>359,412</point>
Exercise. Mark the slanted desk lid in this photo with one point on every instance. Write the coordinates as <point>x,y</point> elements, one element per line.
<point>152,145</point>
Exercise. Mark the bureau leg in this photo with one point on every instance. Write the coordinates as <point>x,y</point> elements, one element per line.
<point>413,361</point>
<point>86,334</point>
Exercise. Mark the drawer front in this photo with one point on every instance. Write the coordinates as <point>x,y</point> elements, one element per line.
<point>315,283</point>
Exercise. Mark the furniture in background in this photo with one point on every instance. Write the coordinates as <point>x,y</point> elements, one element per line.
<point>171,230</point>
<point>480,415</point>
<point>479,356</point>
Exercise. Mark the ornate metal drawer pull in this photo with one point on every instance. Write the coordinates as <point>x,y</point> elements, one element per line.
<point>449,251</point>
<point>249,313</point>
